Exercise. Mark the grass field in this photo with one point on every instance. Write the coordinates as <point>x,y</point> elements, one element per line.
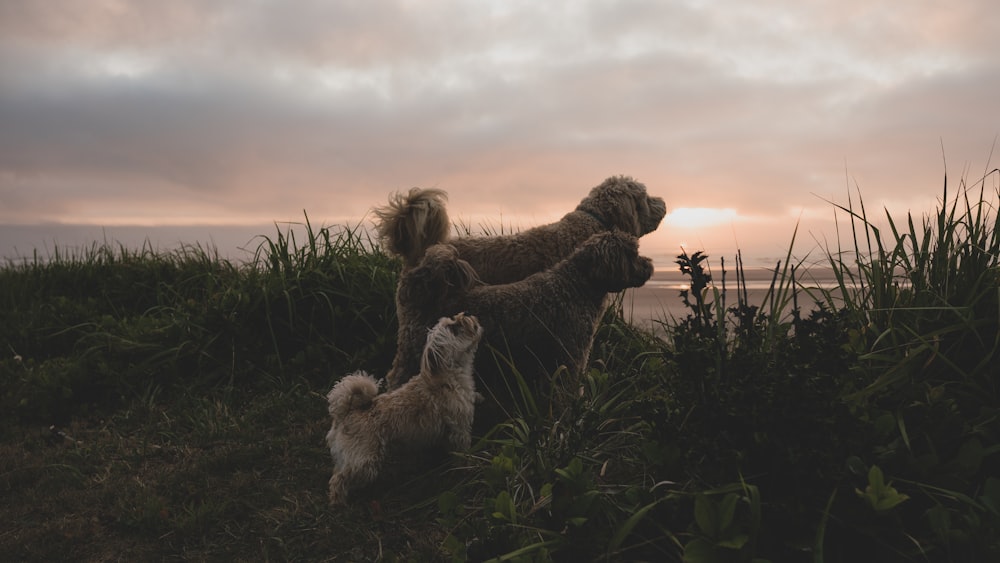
<point>161,406</point>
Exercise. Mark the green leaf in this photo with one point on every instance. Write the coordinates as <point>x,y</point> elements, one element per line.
<point>504,509</point>
<point>735,542</point>
<point>626,528</point>
<point>572,472</point>
<point>902,431</point>
<point>821,529</point>
<point>727,510</point>
<point>700,550</point>
<point>706,515</point>
<point>546,490</point>
<point>879,495</point>
<point>876,480</point>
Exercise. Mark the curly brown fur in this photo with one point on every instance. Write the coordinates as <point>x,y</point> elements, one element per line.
<point>422,294</point>
<point>542,322</point>
<point>434,409</point>
<point>411,224</point>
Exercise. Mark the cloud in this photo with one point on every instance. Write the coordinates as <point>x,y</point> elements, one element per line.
<point>233,111</point>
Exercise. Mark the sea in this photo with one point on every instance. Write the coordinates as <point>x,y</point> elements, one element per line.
<point>660,300</point>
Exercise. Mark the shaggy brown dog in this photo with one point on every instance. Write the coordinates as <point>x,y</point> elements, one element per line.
<point>542,322</point>
<point>435,408</point>
<point>412,223</point>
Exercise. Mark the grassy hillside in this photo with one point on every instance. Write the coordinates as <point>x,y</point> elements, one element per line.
<point>170,406</point>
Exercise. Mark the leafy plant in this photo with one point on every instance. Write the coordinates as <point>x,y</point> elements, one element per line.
<point>879,495</point>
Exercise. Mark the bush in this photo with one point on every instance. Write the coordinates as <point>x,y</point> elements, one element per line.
<point>111,324</point>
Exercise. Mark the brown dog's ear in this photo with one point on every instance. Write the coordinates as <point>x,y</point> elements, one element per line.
<point>616,200</point>
<point>462,276</point>
<point>450,274</point>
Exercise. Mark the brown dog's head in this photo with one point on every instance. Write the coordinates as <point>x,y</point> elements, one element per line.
<point>622,203</point>
<point>611,260</point>
<point>438,278</point>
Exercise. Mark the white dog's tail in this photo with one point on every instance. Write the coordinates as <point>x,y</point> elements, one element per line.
<point>353,392</point>
<point>411,223</point>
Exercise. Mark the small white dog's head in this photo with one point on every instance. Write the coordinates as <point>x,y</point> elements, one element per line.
<point>451,345</point>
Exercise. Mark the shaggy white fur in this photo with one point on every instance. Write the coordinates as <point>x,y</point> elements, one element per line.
<point>435,408</point>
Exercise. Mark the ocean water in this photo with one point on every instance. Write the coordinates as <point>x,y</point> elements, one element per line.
<point>659,300</point>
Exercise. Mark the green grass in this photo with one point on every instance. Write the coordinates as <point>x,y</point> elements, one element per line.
<point>170,406</point>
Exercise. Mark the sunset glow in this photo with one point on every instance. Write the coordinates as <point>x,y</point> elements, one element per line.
<point>239,113</point>
<point>700,217</point>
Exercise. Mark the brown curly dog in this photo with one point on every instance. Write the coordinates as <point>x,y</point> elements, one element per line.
<point>534,325</point>
<point>412,223</point>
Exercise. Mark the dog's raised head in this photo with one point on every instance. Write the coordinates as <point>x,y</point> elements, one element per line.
<point>410,223</point>
<point>612,261</point>
<point>437,278</point>
<point>622,203</point>
<point>451,346</point>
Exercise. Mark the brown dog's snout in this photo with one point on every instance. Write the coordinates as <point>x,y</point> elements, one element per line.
<point>645,270</point>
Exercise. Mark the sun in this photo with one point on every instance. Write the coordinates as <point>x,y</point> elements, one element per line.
<point>690,217</point>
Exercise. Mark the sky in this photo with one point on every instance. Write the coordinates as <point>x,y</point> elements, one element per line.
<point>751,119</point>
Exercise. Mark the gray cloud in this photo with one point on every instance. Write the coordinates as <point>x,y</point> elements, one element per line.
<point>233,111</point>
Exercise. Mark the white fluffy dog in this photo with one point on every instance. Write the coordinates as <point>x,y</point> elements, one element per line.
<point>433,409</point>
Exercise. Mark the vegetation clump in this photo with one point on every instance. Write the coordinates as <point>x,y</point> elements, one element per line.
<point>171,405</point>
